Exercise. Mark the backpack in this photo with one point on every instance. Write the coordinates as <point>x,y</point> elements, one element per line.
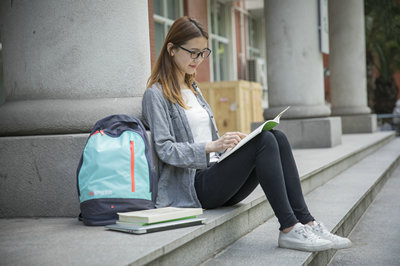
<point>116,171</point>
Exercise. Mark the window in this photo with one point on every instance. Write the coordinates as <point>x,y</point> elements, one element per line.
<point>219,41</point>
<point>165,12</point>
<point>257,67</point>
<point>254,35</point>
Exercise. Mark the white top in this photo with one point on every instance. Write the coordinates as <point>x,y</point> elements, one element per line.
<point>199,120</point>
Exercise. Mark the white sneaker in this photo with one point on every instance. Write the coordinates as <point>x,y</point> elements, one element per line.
<point>338,242</point>
<point>302,238</point>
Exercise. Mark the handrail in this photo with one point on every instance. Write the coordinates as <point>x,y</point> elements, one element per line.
<point>381,116</point>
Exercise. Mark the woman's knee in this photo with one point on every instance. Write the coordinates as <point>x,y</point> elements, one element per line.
<point>280,136</point>
<point>278,133</point>
<point>268,140</point>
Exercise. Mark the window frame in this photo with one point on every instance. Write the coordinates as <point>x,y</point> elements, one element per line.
<point>215,74</point>
<point>251,48</point>
<point>164,20</point>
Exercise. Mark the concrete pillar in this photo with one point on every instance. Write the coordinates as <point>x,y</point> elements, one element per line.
<point>295,70</point>
<point>347,63</point>
<point>69,63</point>
<point>66,65</point>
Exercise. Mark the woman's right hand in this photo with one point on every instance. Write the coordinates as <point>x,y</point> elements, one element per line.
<point>227,141</point>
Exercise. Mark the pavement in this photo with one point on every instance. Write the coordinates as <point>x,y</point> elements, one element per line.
<point>376,237</point>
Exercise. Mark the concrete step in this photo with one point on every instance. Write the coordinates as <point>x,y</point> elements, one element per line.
<point>376,236</point>
<point>41,179</point>
<point>45,240</point>
<point>339,204</point>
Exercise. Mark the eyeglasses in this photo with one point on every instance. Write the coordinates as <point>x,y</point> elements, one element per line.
<point>194,55</point>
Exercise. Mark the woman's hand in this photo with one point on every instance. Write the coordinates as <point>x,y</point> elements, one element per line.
<point>227,141</point>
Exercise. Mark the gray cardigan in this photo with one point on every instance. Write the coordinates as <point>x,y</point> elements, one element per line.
<point>178,155</point>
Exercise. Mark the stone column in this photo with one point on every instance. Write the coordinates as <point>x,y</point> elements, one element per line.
<point>67,64</point>
<point>295,74</point>
<point>347,63</point>
<point>70,63</point>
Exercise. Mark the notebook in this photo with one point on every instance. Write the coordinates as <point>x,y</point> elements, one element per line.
<point>143,229</point>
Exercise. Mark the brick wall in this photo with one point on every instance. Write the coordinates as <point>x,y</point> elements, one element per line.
<point>192,8</point>
<point>198,9</point>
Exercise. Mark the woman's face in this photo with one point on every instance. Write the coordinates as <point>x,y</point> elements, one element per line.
<point>183,59</point>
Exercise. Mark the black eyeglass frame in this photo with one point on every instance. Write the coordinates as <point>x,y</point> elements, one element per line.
<point>192,54</point>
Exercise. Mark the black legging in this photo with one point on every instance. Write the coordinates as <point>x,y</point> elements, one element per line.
<point>266,160</point>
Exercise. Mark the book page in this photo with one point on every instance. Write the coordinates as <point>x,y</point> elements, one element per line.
<point>267,125</point>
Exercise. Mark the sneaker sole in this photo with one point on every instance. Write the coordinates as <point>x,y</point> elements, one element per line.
<point>342,246</point>
<point>302,247</point>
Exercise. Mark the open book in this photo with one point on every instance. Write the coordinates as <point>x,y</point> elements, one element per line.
<point>267,125</point>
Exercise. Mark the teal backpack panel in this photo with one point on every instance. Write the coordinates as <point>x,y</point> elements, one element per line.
<point>114,167</point>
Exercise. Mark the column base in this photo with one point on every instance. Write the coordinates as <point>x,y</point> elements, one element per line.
<point>62,116</point>
<point>38,175</point>
<point>352,110</point>
<point>361,123</point>
<point>323,132</point>
<point>298,111</point>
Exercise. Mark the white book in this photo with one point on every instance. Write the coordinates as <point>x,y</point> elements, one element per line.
<point>267,125</point>
<point>159,215</point>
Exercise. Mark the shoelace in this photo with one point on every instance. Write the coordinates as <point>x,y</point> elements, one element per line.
<point>307,233</point>
<point>320,228</point>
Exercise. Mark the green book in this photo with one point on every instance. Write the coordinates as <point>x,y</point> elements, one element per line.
<point>267,125</point>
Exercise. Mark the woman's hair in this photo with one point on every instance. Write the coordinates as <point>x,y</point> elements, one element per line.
<point>165,69</point>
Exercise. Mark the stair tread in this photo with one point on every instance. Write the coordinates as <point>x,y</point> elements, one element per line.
<point>376,237</point>
<point>44,240</point>
<point>328,203</point>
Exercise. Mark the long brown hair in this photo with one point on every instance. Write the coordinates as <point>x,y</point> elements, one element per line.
<point>165,69</point>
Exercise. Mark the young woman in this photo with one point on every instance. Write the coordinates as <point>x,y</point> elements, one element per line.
<point>187,144</point>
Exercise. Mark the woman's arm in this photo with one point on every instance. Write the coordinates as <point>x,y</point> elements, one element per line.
<point>181,154</point>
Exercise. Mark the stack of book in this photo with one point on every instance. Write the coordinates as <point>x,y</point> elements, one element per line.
<point>139,222</point>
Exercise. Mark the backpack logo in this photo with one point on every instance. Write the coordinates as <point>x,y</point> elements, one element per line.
<point>100,193</point>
